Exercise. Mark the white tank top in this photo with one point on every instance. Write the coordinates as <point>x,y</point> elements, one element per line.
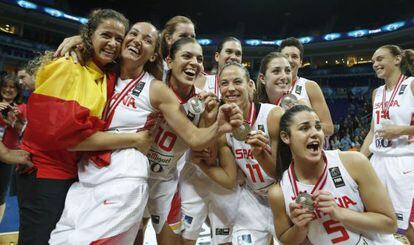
<point>299,89</point>
<point>257,178</point>
<point>168,147</point>
<point>133,113</point>
<point>401,112</point>
<point>335,179</point>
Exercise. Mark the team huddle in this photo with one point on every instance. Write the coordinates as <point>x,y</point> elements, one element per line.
<point>127,128</point>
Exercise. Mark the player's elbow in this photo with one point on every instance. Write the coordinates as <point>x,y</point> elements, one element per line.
<point>328,129</point>
<point>391,225</point>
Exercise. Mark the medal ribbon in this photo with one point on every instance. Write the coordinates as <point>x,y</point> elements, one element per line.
<point>111,106</point>
<point>320,183</point>
<point>385,107</point>
<point>252,114</point>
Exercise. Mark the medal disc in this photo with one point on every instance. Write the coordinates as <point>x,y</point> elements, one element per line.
<point>196,106</point>
<point>306,200</point>
<point>288,101</point>
<point>241,133</point>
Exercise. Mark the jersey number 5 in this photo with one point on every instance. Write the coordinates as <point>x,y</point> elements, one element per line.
<point>332,226</point>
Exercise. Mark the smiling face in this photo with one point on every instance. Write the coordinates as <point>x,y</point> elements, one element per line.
<point>107,40</point>
<point>293,54</point>
<point>231,52</point>
<point>139,44</point>
<point>384,63</point>
<point>186,63</point>
<point>277,79</point>
<point>8,91</point>
<point>235,87</point>
<point>306,137</point>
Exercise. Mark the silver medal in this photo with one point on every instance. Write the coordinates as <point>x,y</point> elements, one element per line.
<point>196,106</point>
<point>288,101</point>
<point>306,200</point>
<point>241,133</point>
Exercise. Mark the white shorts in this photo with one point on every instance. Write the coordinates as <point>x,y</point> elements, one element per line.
<point>109,212</point>
<point>254,223</point>
<point>159,202</point>
<point>397,174</point>
<point>201,197</point>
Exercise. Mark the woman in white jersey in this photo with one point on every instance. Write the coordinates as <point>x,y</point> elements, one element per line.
<point>184,62</point>
<point>390,138</point>
<point>254,156</point>
<point>326,197</point>
<point>274,79</point>
<point>304,88</point>
<point>108,202</point>
<point>201,197</point>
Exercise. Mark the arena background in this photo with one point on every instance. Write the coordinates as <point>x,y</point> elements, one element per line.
<point>339,38</point>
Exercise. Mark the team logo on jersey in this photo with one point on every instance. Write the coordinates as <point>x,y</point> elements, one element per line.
<point>336,177</point>
<point>222,231</point>
<point>155,219</point>
<point>188,219</point>
<point>400,216</point>
<point>245,239</point>
<point>298,89</point>
<point>138,89</point>
<point>402,89</point>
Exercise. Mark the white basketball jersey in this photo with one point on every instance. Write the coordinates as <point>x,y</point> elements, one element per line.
<point>299,88</point>
<point>133,113</point>
<point>401,112</point>
<point>168,147</point>
<point>257,178</point>
<point>335,179</point>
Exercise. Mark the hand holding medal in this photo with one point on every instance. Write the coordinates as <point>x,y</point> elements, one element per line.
<point>305,199</point>
<point>243,131</point>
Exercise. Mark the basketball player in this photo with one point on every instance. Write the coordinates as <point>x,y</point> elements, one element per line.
<point>254,156</point>
<point>326,196</point>
<point>304,88</point>
<point>392,131</point>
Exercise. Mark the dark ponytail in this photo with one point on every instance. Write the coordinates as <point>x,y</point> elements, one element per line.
<point>284,154</point>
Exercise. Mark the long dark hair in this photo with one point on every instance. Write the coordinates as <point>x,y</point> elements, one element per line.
<point>177,47</point>
<point>155,67</point>
<point>284,155</point>
<point>261,94</point>
<point>96,17</point>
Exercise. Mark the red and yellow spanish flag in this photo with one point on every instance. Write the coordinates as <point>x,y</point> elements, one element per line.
<point>65,108</point>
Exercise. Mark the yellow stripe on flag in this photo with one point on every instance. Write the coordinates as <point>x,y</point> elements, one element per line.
<point>72,82</point>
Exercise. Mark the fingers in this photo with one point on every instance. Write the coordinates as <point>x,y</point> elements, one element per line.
<point>300,216</point>
<point>74,56</point>
<point>58,52</point>
<point>203,154</point>
<point>257,138</point>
